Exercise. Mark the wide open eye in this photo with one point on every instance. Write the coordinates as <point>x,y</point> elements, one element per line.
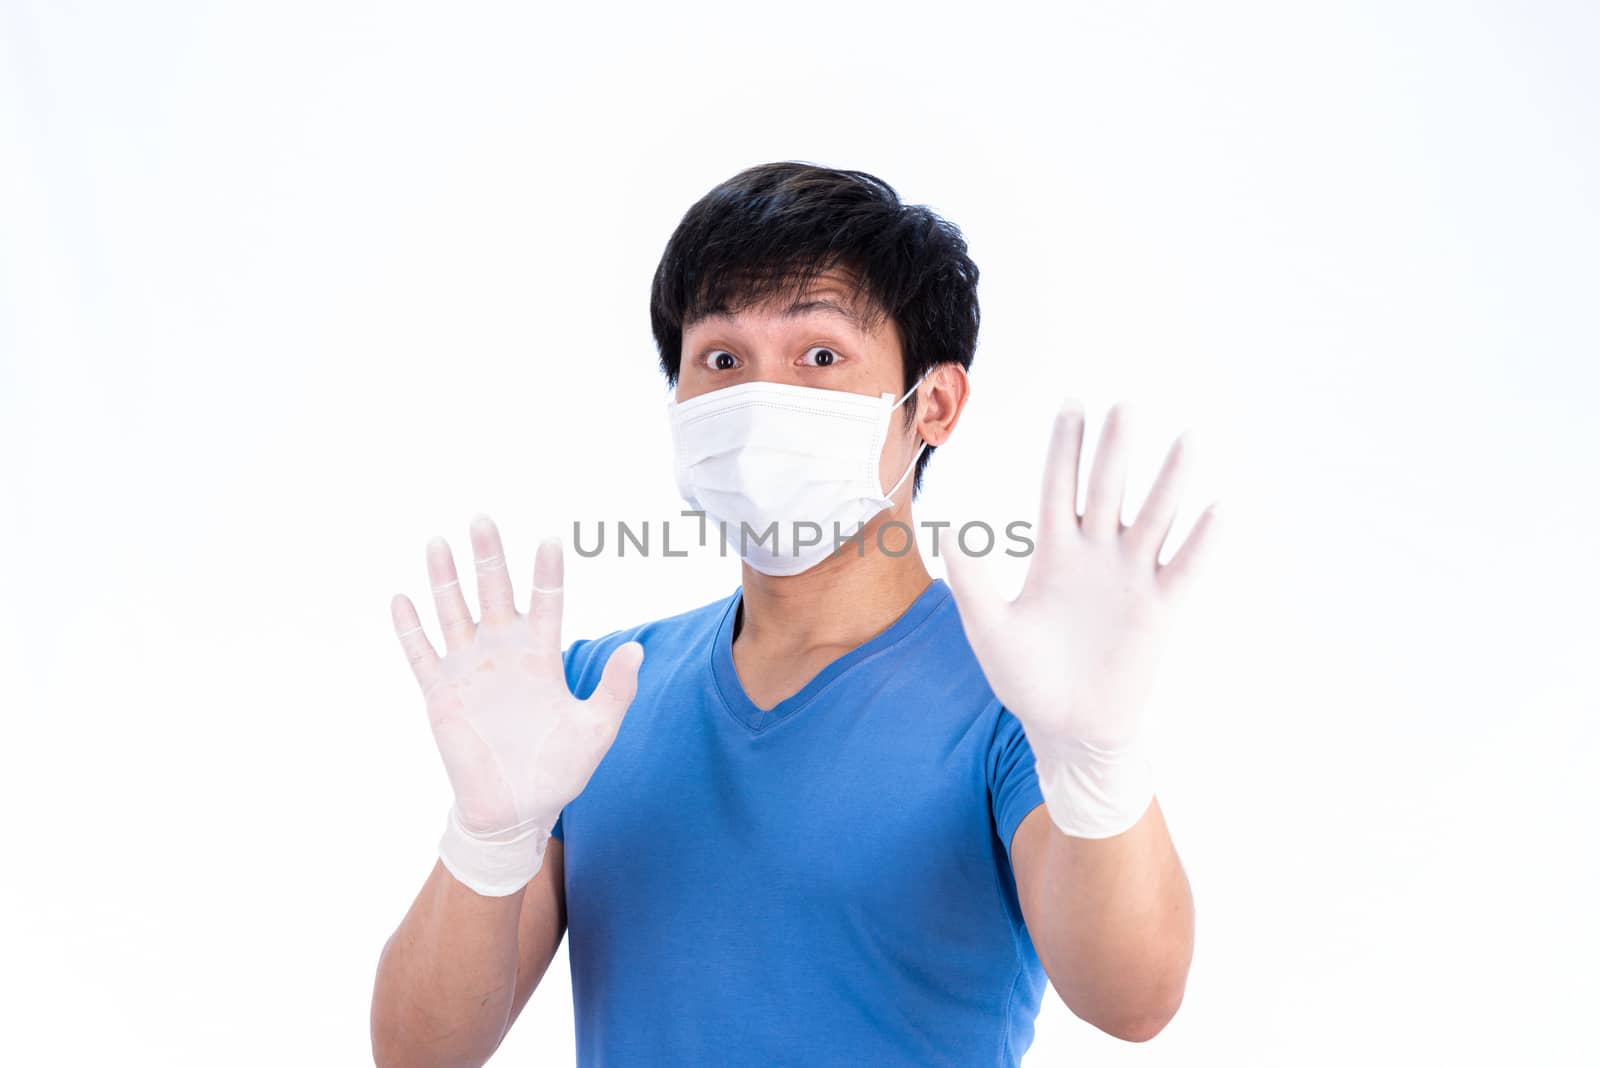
<point>820,356</point>
<point>720,360</point>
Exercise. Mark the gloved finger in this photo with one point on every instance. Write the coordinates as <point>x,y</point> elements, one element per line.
<point>1154,522</point>
<point>455,622</point>
<point>1102,508</point>
<point>1179,574</point>
<point>977,603</point>
<point>495,603</point>
<point>619,682</point>
<point>544,608</point>
<point>1058,506</point>
<point>420,654</point>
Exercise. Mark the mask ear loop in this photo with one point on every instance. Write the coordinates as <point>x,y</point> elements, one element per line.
<point>912,466</point>
<point>912,390</point>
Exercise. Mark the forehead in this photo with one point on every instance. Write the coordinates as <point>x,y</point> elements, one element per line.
<point>830,295</point>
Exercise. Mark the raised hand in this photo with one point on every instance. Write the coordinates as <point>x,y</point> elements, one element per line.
<point>517,745</point>
<point>1074,656</point>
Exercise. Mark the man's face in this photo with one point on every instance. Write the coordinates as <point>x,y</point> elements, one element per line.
<point>815,342</point>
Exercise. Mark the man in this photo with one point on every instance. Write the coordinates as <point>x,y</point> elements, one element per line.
<point>842,821</point>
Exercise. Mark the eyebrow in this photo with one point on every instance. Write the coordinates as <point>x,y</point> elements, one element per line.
<point>800,307</point>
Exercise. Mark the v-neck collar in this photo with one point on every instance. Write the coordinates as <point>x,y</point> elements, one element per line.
<point>738,703</point>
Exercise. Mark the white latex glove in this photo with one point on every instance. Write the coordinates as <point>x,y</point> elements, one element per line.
<point>517,746</point>
<point>1074,656</point>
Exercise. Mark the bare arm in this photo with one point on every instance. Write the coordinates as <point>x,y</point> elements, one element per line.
<point>460,967</point>
<point>1112,920</point>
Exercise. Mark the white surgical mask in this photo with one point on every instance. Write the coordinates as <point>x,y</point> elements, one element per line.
<point>764,453</point>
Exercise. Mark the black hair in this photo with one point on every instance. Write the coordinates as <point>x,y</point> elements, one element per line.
<point>770,230</point>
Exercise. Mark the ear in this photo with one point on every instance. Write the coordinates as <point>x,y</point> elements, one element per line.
<point>940,402</point>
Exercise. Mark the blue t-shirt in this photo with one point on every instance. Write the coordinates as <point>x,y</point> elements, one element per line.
<point>827,882</point>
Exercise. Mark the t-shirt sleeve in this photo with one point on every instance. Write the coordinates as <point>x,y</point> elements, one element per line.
<point>1013,783</point>
<point>584,662</point>
<point>573,660</point>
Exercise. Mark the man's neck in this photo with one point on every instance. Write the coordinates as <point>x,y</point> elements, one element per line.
<point>841,602</point>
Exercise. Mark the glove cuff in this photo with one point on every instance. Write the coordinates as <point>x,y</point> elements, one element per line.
<point>1095,791</point>
<point>495,864</point>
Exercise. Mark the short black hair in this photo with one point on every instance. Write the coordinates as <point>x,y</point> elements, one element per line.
<point>770,230</point>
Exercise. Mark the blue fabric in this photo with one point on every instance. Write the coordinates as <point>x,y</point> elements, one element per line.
<point>824,883</point>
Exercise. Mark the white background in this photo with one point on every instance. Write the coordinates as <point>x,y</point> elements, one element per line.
<point>289,288</point>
